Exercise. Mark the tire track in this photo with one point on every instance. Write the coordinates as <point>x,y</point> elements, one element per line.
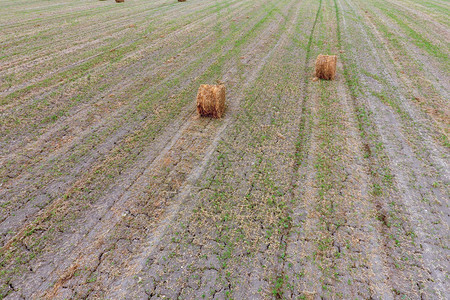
<point>329,245</point>
<point>304,149</point>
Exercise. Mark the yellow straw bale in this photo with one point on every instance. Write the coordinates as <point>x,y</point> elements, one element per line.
<point>211,100</point>
<point>326,67</point>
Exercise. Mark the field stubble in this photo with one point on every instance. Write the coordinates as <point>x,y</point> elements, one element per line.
<point>113,187</point>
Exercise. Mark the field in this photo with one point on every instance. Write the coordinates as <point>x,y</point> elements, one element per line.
<point>111,186</point>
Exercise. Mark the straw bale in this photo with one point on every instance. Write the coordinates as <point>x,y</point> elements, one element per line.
<point>211,100</point>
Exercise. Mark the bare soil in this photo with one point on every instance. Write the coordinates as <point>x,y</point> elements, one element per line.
<point>112,187</point>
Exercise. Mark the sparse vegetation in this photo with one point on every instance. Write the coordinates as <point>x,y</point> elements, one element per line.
<point>111,185</point>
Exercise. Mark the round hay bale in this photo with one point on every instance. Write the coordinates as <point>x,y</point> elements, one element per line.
<point>326,67</point>
<point>211,100</point>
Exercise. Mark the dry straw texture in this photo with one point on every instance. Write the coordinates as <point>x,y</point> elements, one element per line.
<point>326,67</point>
<point>211,100</point>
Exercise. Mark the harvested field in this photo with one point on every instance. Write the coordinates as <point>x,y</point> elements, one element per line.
<point>112,187</point>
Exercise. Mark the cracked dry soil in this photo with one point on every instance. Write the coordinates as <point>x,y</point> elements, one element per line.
<point>111,187</point>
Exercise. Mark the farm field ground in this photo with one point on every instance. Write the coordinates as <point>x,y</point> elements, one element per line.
<point>111,186</point>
